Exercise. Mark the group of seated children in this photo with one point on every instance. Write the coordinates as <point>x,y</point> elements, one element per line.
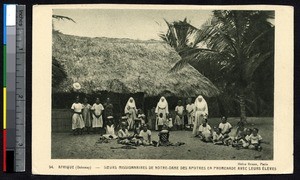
<point>142,136</point>
<point>244,137</point>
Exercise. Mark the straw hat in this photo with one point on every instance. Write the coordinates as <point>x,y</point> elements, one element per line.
<point>76,86</point>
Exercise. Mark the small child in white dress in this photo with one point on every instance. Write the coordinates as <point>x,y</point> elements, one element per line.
<point>225,127</point>
<point>255,140</point>
<point>110,129</point>
<point>205,132</point>
<point>145,136</point>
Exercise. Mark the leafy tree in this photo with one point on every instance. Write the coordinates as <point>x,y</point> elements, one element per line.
<point>228,48</point>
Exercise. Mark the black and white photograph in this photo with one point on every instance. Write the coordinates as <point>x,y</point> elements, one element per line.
<point>180,84</point>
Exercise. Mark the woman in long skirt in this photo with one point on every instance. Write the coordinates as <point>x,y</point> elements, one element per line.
<point>86,114</point>
<point>77,121</point>
<point>97,110</point>
<point>201,112</point>
<point>161,108</point>
<point>131,112</point>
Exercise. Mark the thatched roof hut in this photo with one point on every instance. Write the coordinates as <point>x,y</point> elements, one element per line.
<point>125,66</point>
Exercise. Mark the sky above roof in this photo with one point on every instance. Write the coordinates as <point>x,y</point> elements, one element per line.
<point>124,23</point>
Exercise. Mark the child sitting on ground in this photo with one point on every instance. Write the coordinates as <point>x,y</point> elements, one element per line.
<point>240,133</point>
<point>225,127</point>
<point>110,129</point>
<point>217,136</point>
<point>124,137</point>
<point>255,140</point>
<point>205,132</point>
<point>164,137</point>
<point>122,120</point>
<point>145,136</point>
<point>243,140</point>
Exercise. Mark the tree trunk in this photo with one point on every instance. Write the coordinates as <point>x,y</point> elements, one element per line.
<point>222,111</point>
<point>243,107</point>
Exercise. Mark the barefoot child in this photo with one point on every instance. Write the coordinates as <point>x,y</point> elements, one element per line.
<point>225,127</point>
<point>205,132</point>
<point>239,134</point>
<point>243,140</point>
<point>160,121</point>
<point>217,136</point>
<point>240,130</point>
<point>190,112</point>
<point>255,140</point>
<point>145,136</point>
<point>110,128</point>
<point>123,135</point>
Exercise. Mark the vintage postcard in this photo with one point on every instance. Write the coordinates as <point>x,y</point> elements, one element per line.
<point>162,90</point>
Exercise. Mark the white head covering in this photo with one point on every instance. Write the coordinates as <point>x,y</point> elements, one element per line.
<point>130,104</point>
<point>162,105</point>
<point>202,106</point>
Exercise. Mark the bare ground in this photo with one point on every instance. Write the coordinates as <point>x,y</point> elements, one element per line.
<point>67,146</point>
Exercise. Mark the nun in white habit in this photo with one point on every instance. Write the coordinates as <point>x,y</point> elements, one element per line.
<point>161,107</point>
<point>131,111</point>
<point>201,112</point>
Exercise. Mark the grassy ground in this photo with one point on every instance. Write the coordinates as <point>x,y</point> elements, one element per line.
<point>66,146</point>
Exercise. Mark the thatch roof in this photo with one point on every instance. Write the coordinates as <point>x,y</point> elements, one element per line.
<point>125,66</point>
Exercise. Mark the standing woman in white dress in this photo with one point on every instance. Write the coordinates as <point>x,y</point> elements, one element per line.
<point>97,110</point>
<point>201,112</point>
<point>77,120</point>
<point>131,112</point>
<point>161,108</point>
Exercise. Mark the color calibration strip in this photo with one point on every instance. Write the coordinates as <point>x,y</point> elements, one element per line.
<point>13,87</point>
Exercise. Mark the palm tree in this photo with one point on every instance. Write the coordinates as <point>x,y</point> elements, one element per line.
<point>232,43</point>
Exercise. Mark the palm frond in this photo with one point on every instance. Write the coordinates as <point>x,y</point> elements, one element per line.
<point>250,45</point>
<point>195,56</point>
<point>253,63</point>
<point>59,17</point>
